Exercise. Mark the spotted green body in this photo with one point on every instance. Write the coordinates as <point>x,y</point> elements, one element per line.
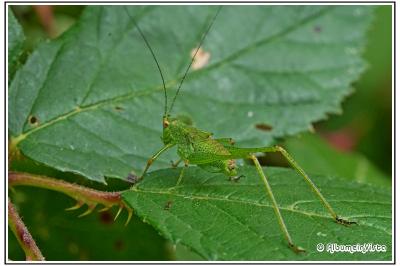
<point>196,146</point>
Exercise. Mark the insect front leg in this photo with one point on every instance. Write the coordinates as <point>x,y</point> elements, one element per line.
<point>154,157</point>
<point>275,206</point>
<point>314,188</point>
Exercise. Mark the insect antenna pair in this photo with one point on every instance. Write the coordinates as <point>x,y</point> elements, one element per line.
<point>167,110</point>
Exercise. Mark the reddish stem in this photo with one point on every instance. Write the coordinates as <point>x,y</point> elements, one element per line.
<point>80,193</point>
<point>22,234</point>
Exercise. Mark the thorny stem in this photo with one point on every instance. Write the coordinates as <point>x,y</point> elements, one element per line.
<point>22,234</point>
<point>81,194</point>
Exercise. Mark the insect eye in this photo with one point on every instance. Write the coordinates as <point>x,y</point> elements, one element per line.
<point>165,123</point>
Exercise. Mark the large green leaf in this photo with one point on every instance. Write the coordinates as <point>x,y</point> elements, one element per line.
<point>16,40</point>
<point>91,101</point>
<point>222,220</point>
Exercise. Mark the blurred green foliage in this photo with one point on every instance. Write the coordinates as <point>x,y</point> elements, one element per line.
<point>35,30</point>
<point>316,156</point>
<point>367,114</point>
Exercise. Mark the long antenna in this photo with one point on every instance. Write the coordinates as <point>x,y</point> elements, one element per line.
<point>155,59</point>
<point>193,58</point>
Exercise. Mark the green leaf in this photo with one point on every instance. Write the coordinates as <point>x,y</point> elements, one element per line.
<point>222,220</point>
<point>91,101</point>
<point>316,156</point>
<point>16,39</point>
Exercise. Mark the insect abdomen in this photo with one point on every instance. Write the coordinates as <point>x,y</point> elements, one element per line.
<point>210,146</point>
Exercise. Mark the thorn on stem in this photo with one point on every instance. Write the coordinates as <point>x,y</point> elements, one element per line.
<point>119,211</point>
<point>89,210</point>
<point>106,208</point>
<point>130,212</point>
<point>75,207</point>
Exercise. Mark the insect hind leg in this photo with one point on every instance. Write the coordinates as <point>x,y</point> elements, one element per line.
<point>278,214</point>
<point>314,188</point>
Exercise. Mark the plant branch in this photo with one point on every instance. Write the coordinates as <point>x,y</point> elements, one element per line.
<point>22,234</point>
<point>81,194</point>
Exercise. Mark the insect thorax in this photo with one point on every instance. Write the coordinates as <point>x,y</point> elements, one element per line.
<point>174,131</point>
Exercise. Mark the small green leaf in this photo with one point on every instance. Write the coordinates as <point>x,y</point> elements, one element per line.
<point>223,220</point>
<point>91,101</point>
<point>16,39</point>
